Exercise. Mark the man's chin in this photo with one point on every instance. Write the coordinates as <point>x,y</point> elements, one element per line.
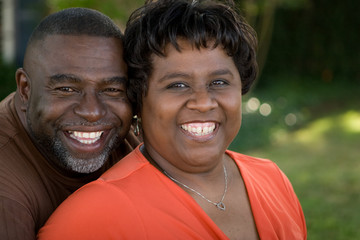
<point>86,166</point>
<point>84,162</point>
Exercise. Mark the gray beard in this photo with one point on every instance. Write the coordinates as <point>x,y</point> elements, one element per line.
<point>80,165</point>
<point>53,149</point>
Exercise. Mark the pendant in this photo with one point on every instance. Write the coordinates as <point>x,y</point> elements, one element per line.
<point>221,206</point>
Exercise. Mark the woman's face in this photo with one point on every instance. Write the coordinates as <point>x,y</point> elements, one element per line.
<point>192,110</point>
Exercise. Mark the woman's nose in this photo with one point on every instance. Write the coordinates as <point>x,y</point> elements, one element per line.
<point>202,101</point>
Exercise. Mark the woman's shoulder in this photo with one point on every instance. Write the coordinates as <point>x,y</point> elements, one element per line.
<point>107,190</point>
<point>249,160</point>
<point>90,213</point>
<point>260,169</point>
<point>126,166</point>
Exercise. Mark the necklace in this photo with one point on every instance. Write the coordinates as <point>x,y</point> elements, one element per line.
<point>220,205</point>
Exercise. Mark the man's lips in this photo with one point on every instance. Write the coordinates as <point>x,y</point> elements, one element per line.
<point>86,137</point>
<point>199,129</point>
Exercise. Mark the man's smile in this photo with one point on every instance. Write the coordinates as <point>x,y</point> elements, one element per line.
<point>86,137</point>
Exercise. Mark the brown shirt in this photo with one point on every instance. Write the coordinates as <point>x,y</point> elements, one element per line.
<point>30,187</point>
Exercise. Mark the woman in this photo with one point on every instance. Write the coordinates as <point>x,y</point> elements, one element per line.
<point>189,64</point>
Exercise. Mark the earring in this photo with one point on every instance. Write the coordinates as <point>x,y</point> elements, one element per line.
<point>137,128</point>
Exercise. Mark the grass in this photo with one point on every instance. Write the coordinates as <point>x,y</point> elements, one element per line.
<point>322,162</point>
<point>320,155</point>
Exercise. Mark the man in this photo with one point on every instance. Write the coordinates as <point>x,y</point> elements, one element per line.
<point>66,122</point>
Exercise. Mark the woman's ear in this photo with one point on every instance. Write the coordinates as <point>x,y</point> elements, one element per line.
<point>23,87</point>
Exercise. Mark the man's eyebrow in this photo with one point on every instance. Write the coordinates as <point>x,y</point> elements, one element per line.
<point>58,78</point>
<point>115,80</point>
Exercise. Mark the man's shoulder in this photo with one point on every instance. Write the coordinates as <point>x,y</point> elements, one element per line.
<point>8,122</point>
<point>11,212</point>
<point>18,155</point>
<point>6,104</point>
<point>27,191</point>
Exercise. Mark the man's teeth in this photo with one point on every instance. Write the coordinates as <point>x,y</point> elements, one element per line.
<point>86,137</point>
<point>199,129</point>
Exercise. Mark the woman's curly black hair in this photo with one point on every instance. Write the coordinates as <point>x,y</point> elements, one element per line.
<point>158,23</point>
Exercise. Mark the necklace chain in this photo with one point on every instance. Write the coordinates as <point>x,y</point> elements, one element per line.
<point>220,205</point>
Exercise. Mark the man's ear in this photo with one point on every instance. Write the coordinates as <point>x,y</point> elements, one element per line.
<point>23,87</point>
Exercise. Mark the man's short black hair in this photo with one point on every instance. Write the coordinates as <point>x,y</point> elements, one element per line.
<point>76,21</point>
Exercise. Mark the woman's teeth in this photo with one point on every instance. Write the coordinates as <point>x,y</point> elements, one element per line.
<point>199,129</point>
<point>86,137</point>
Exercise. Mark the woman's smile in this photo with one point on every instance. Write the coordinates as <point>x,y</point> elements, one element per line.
<point>200,131</point>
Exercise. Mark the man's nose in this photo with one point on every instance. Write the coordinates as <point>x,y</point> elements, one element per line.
<point>90,107</point>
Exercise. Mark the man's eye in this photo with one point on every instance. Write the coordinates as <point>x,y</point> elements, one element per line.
<point>113,92</point>
<point>66,89</point>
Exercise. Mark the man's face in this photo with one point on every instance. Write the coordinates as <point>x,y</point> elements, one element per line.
<point>78,111</point>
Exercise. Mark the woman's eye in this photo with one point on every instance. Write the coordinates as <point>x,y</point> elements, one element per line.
<point>112,90</point>
<point>219,82</point>
<point>177,85</point>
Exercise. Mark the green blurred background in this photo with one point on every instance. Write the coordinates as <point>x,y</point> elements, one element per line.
<point>304,110</point>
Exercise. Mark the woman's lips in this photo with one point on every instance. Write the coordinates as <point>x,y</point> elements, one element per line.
<point>199,129</point>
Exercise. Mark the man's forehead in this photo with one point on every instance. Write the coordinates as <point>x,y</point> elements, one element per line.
<point>69,52</point>
<point>64,38</point>
<point>75,45</point>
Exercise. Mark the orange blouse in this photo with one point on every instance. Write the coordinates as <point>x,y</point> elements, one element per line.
<point>133,200</point>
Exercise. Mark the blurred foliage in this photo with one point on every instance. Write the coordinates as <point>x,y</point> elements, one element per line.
<point>320,40</point>
<point>295,101</point>
<point>118,10</point>
<point>260,14</point>
<point>7,79</point>
<point>312,37</point>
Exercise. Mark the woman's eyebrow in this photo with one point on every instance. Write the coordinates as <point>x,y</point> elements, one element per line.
<point>172,75</point>
<point>224,71</point>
